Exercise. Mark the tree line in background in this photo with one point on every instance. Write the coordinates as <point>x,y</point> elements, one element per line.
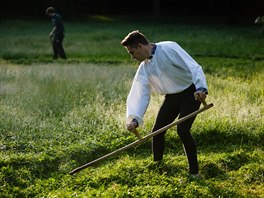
<point>233,10</point>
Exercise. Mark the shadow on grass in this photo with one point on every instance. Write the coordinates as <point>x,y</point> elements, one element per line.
<point>237,67</point>
<point>217,137</point>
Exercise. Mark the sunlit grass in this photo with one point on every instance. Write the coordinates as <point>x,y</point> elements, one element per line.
<point>59,116</point>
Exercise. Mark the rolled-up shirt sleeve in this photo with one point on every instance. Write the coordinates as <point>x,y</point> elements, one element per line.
<point>138,97</point>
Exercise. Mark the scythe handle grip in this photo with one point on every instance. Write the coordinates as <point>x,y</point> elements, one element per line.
<point>137,134</point>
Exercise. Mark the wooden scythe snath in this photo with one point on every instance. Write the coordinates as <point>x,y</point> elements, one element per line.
<point>140,140</point>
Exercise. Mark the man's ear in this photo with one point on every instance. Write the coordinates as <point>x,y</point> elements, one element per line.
<point>140,46</point>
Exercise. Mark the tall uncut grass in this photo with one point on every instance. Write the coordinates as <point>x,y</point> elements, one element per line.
<point>58,115</point>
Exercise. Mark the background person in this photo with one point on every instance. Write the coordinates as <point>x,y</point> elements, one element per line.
<point>168,69</point>
<point>57,33</point>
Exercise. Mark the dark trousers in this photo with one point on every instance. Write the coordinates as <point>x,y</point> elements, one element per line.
<point>58,50</point>
<point>180,104</point>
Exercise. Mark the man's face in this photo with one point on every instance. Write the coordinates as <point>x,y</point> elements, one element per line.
<point>136,52</point>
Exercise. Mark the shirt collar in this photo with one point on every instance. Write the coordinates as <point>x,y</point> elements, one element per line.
<point>153,50</point>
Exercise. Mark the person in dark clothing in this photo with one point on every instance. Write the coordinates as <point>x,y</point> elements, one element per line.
<point>57,33</point>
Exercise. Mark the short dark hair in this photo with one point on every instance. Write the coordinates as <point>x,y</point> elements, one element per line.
<point>50,10</point>
<point>134,38</point>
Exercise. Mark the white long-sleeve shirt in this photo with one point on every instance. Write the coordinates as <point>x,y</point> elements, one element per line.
<point>170,70</point>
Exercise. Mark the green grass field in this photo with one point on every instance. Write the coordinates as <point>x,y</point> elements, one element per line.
<point>58,115</point>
